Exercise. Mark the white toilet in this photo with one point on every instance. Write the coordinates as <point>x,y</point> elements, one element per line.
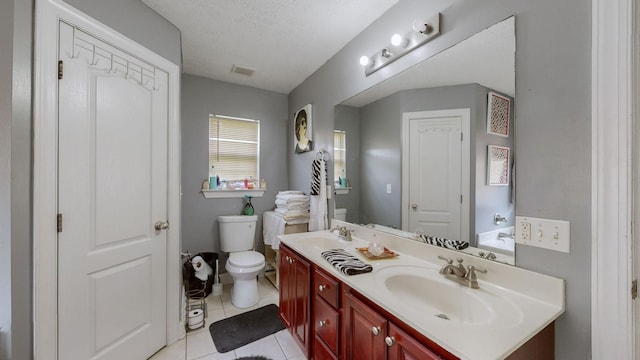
<point>244,264</point>
<point>340,214</point>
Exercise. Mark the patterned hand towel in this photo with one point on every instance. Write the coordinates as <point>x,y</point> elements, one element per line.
<point>442,242</point>
<point>345,262</point>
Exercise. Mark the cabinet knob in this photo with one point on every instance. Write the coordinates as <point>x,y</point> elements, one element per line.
<point>375,330</point>
<point>390,340</point>
<point>322,288</point>
<point>322,323</point>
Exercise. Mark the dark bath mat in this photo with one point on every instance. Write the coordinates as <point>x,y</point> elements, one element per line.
<point>234,332</point>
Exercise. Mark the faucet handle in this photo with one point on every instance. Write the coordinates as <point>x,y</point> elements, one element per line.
<point>449,261</point>
<point>471,276</point>
<point>471,273</point>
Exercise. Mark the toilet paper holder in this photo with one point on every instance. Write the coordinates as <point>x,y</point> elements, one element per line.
<point>195,310</point>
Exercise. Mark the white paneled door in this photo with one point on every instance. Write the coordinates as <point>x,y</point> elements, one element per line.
<point>437,159</point>
<point>112,152</point>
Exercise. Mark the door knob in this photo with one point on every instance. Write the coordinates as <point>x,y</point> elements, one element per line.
<point>414,206</point>
<point>161,225</point>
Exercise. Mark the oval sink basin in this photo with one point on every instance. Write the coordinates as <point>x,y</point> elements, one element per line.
<point>444,300</point>
<point>428,293</point>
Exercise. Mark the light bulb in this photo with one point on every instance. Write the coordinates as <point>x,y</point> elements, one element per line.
<point>396,39</point>
<point>364,60</point>
<point>420,26</point>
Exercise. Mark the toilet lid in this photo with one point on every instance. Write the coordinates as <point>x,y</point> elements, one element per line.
<point>246,258</point>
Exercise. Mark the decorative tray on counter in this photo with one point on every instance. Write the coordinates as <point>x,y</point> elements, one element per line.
<point>387,254</point>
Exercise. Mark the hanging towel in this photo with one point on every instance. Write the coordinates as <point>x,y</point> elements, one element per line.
<point>272,226</point>
<point>316,175</point>
<point>318,199</point>
<point>345,262</point>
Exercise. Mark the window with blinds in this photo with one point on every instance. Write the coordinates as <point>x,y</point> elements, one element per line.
<point>339,155</point>
<point>234,147</point>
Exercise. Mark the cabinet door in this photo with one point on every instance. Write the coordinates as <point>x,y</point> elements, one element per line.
<point>364,331</point>
<point>402,346</point>
<point>302,302</point>
<point>286,285</point>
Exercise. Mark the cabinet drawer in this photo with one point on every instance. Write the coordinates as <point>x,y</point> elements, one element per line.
<point>326,287</point>
<point>326,323</point>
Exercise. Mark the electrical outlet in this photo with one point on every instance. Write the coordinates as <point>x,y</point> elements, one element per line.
<point>544,233</point>
<point>523,230</point>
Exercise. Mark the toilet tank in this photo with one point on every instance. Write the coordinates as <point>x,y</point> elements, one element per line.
<point>340,214</point>
<point>237,232</point>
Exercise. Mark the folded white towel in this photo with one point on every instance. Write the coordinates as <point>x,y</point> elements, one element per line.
<point>292,197</point>
<point>290,192</point>
<point>291,212</point>
<point>304,206</point>
<point>292,201</point>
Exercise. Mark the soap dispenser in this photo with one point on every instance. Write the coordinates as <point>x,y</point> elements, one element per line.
<point>248,207</point>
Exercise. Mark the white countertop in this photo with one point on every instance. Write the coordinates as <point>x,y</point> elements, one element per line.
<point>526,302</point>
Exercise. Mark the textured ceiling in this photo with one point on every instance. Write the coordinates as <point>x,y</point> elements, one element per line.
<point>284,41</point>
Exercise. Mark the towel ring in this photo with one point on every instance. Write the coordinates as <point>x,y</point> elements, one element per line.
<point>321,153</point>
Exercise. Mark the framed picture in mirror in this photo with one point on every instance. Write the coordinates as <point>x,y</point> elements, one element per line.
<point>302,130</point>
<point>498,165</point>
<point>498,111</point>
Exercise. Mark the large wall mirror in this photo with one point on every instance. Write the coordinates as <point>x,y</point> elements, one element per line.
<point>431,150</point>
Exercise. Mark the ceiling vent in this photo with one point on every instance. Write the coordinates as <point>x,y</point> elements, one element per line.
<point>242,70</point>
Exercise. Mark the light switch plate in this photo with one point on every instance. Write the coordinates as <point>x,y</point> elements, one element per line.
<point>544,233</point>
<point>388,188</point>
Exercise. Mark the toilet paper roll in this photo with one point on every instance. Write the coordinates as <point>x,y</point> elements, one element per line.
<point>197,262</point>
<point>203,270</point>
<point>195,318</point>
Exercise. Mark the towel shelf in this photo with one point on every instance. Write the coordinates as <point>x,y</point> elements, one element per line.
<point>272,256</point>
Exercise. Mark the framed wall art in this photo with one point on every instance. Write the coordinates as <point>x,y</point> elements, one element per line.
<point>498,165</point>
<point>498,113</point>
<point>302,127</point>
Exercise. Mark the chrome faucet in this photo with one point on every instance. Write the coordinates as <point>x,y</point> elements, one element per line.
<point>502,235</point>
<point>458,273</point>
<point>497,219</point>
<point>488,256</point>
<point>343,232</point>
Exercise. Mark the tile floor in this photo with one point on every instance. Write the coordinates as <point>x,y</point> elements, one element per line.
<point>198,344</point>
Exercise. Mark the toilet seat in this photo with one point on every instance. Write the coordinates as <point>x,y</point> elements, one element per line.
<point>246,259</point>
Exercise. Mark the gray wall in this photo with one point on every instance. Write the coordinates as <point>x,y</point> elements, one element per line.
<point>16,242</point>
<point>136,21</point>
<point>201,97</point>
<point>15,180</point>
<point>552,110</point>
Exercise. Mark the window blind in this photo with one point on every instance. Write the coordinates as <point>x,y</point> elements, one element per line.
<point>234,148</point>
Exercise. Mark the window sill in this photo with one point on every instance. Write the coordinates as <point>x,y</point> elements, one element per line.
<point>235,193</point>
<point>341,190</point>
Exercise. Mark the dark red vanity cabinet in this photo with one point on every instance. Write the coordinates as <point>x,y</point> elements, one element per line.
<point>370,335</point>
<point>326,315</point>
<point>295,299</point>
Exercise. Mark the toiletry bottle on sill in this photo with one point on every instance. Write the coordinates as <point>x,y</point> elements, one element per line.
<point>213,179</point>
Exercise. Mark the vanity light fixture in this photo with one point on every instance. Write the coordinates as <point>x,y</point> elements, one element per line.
<point>421,32</point>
